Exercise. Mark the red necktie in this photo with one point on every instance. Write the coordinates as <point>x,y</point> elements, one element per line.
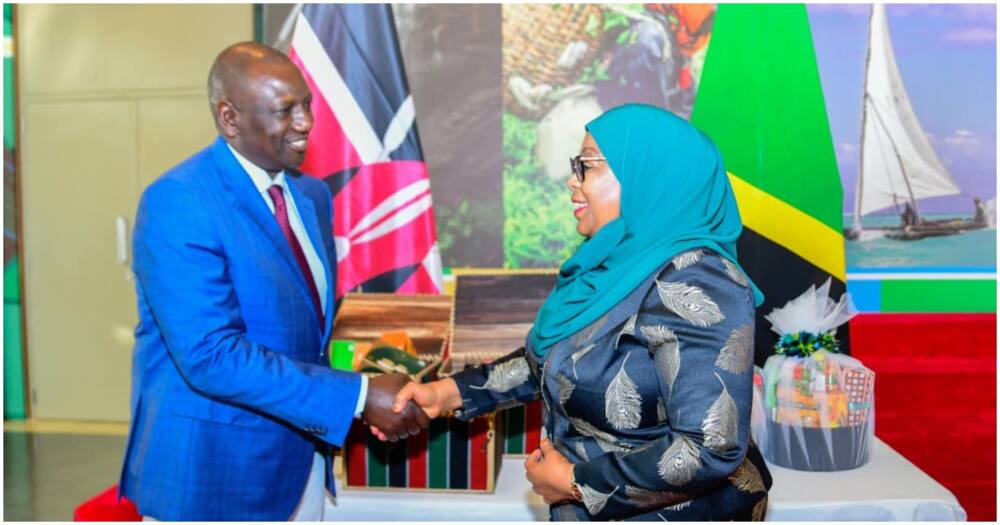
<point>281,213</point>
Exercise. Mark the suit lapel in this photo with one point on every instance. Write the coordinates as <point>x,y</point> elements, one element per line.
<point>243,195</point>
<point>307,212</point>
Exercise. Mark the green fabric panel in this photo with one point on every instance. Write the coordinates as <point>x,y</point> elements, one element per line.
<point>761,101</point>
<point>11,281</point>
<point>13,366</point>
<point>939,296</point>
<point>514,428</point>
<point>378,459</point>
<point>8,81</point>
<point>258,23</point>
<point>437,454</point>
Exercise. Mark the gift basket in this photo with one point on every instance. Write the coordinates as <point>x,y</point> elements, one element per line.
<point>411,334</point>
<point>814,407</point>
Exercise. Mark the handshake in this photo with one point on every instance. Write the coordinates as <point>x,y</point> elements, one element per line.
<point>397,408</point>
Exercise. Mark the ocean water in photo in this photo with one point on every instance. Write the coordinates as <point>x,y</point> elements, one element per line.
<point>970,250</point>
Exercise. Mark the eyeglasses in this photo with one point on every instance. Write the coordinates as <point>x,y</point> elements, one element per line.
<point>579,168</point>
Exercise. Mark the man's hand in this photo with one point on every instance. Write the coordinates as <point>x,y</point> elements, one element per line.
<point>550,474</point>
<point>378,411</point>
<point>434,398</point>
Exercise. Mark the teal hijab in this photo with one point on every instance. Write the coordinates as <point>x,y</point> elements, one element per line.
<point>675,196</point>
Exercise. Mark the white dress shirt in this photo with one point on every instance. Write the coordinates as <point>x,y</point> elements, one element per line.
<point>263,181</point>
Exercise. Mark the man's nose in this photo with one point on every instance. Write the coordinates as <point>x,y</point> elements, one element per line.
<point>303,122</point>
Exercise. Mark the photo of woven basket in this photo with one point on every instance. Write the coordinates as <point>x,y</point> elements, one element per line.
<point>548,45</point>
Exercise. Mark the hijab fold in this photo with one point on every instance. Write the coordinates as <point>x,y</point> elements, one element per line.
<point>675,196</point>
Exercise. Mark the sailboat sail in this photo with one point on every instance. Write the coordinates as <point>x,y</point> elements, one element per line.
<point>898,164</point>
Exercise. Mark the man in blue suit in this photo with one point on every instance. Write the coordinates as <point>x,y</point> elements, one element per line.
<point>234,412</point>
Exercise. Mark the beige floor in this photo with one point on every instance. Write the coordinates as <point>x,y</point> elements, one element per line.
<point>51,467</point>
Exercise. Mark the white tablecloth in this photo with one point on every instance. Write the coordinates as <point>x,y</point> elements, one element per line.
<point>888,488</point>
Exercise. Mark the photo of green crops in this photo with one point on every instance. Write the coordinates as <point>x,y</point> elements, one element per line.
<point>563,65</point>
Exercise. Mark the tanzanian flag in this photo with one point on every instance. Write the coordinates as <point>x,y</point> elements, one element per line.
<point>761,101</point>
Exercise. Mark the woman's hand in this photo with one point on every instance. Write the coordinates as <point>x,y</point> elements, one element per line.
<point>550,474</point>
<point>434,398</point>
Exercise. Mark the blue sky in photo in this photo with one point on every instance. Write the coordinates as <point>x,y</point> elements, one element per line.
<point>947,57</point>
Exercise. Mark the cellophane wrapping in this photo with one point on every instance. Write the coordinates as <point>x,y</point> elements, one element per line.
<point>814,408</point>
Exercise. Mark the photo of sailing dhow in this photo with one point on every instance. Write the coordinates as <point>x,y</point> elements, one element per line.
<point>897,164</point>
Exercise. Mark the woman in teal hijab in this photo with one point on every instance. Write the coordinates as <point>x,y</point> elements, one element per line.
<point>643,351</point>
<point>675,196</point>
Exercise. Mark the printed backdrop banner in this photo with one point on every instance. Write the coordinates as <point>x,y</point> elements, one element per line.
<point>504,92</point>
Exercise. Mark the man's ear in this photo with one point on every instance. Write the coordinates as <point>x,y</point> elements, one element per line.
<point>227,117</point>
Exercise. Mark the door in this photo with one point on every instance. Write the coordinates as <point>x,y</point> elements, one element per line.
<point>111,96</point>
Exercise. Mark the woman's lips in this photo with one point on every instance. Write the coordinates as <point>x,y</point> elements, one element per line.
<point>579,208</point>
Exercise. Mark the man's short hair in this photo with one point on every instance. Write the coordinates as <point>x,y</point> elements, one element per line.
<point>229,70</point>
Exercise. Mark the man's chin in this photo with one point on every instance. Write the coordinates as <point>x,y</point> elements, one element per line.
<point>293,163</point>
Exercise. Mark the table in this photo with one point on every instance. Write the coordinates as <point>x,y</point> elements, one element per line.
<point>888,488</point>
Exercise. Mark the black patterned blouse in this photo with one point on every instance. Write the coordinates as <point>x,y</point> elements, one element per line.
<point>651,402</point>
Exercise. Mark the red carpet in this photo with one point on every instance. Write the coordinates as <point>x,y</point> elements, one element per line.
<point>935,397</point>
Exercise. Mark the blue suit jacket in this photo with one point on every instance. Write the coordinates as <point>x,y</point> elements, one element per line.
<point>230,391</point>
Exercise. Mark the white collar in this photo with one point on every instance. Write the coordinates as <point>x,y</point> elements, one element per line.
<point>259,175</point>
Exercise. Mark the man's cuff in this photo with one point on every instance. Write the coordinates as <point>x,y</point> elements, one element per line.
<point>362,397</point>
